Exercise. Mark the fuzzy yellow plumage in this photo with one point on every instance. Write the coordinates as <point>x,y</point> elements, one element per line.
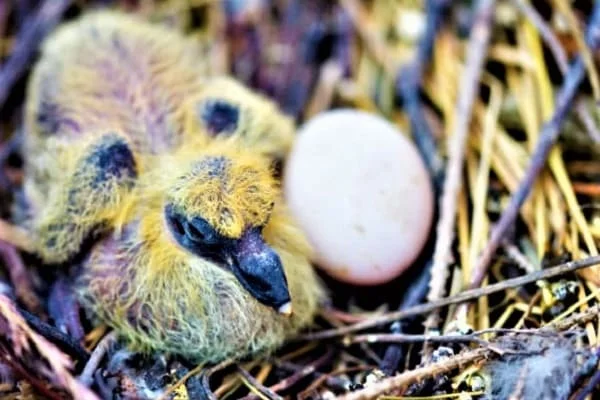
<point>129,141</point>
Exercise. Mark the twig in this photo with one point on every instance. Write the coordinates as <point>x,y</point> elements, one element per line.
<point>519,258</point>
<point>459,298</point>
<point>87,376</point>
<point>51,333</point>
<point>299,374</point>
<point>363,24</point>
<point>42,386</point>
<point>409,377</point>
<point>576,319</point>
<point>409,83</point>
<point>561,59</point>
<point>265,391</point>
<point>414,295</point>
<point>407,338</point>
<point>466,338</point>
<point>476,53</point>
<point>205,379</point>
<point>548,136</point>
<point>28,40</point>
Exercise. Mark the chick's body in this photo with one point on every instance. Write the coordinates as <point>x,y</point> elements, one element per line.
<point>127,136</point>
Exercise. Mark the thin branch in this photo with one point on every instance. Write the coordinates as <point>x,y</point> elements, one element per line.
<point>265,391</point>
<point>87,376</point>
<point>54,335</point>
<point>459,298</point>
<point>299,374</point>
<point>583,317</point>
<point>409,83</point>
<point>561,60</point>
<point>406,378</point>
<point>476,54</point>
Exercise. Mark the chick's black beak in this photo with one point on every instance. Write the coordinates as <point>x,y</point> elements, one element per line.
<point>259,270</point>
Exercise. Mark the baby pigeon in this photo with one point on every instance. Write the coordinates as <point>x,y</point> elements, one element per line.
<point>167,173</point>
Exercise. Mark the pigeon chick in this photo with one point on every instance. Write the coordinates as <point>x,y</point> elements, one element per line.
<point>168,172</point>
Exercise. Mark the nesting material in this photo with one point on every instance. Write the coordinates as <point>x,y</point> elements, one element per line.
<point>360,191</point>
<point>538,367</point>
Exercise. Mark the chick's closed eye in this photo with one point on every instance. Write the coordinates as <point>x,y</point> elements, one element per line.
<point>195,233</point>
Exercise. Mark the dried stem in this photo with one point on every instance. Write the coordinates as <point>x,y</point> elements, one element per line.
<point>265,391</point>
<point>87,376</point>
<point>459,298</point>
<point>299,374</point>
<point>409,83</point>
<point>476,53</point>
<point>406,378</point>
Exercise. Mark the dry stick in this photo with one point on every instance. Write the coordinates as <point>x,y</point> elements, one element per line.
<point>466,338</point>
<point>28,40</point>
<point>519,258</point>
<point>408,338</point>
<point>476,53</point>
<point>548,136</point>
<point>561,59</point>
<point>408,84</point>
<point>299,374</point>
<point>459,298</point>
<point>409,377</point>
<point>576,319</point>
<point>265,391</point>
<point>87,376</point>
<point>54,335</point>
<point>205,378</point>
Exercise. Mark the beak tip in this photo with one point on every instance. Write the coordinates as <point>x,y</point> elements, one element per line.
<point>285,309</point>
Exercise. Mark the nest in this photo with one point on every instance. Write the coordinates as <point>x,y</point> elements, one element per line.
<point>501,100</point>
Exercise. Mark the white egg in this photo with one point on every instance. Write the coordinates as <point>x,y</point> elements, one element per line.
<point>361,193</point>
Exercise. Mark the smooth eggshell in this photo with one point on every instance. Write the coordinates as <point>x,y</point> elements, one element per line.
<point>361,193</point>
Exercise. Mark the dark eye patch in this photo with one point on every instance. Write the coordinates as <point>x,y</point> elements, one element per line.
<point>196,234</point>
<point>198,230</point>
<point>220,116</point>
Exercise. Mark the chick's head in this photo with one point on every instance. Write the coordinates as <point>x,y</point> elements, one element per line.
<point>205,261</point>
<point>217,210</point>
